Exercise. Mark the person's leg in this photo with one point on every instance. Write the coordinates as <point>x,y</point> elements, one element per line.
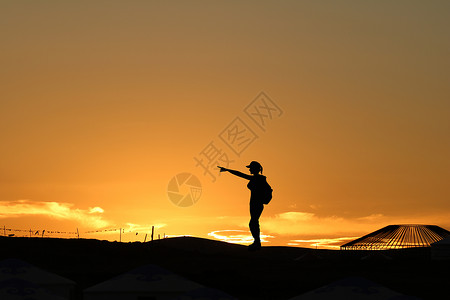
<point>255,212</point>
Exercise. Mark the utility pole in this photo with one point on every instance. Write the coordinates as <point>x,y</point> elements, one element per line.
<point>153,231</point>
<point>78,233</point>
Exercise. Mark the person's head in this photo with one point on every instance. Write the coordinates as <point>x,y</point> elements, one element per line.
<point>255,168</point>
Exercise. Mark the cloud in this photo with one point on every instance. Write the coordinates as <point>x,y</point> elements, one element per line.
<point>236,236</point>
<point>310,225</point>
<point>91,217</point>
<point>306,229</point>
<point>303,229</point>
<point>328,243</point>
<point>296,216</point>
<point>144,228</point>
<point>371,218</point>
<point>93,210</point>
<point>301,223</point>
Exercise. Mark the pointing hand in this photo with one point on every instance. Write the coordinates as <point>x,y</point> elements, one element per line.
<point>222,169</point>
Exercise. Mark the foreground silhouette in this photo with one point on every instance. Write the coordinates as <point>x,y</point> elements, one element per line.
<point>261,193</point>
<point>275,273</point>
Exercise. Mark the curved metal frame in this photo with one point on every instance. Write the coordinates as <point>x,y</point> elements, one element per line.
<point>398,237</point>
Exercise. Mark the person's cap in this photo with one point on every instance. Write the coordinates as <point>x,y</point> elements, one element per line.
<point>254,164</point>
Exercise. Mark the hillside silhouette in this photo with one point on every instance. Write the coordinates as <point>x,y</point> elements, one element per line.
<point>272,273</point>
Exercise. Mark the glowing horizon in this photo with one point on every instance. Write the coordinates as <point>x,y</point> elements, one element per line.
<point>299,224</point>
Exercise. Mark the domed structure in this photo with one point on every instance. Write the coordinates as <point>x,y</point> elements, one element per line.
<point>398,237</point>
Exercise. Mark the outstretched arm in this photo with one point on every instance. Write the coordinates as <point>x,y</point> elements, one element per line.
<point>234,172</point>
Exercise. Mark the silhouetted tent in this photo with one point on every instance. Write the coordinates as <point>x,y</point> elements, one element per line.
<point>18,289</point>
<point>398,237</point>
<point>20,280</point>
<point>146,282</point>
<point>353,288</point>
<point>441,249</point>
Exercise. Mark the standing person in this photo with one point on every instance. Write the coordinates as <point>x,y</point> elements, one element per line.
<point>256,184</point>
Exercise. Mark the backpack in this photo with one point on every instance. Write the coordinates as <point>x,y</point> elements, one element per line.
<point>266,193</point>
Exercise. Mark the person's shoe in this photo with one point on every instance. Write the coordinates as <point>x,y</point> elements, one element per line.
<point>255,246</point>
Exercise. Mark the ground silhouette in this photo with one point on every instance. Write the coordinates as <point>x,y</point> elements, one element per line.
<point>271,273</point>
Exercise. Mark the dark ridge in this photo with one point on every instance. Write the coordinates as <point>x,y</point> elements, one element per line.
<point>271,273</point>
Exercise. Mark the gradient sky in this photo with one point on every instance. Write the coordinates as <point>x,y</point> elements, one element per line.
<point>102,103</point>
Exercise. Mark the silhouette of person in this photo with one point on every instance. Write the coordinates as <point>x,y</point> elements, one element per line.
<point>256,205</point>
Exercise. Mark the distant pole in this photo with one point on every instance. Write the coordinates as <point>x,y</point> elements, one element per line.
<point>78,233</point>
<point>145,238</point>
<point>120,240</point>
<point>43,232</point>
<point>153,231</point>
<point>30,232</point>
<point>159,237</point>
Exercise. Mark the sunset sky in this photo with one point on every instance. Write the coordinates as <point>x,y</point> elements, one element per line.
<point>102,103</point>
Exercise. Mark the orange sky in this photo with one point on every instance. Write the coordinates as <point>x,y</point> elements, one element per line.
<point>102,103</point>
